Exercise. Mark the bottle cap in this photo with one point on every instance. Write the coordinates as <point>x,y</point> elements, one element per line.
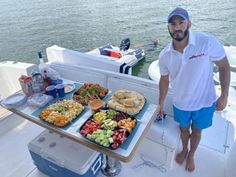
<point>40,55</point>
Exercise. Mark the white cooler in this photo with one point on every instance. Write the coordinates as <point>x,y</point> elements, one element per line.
<point>57,156</point>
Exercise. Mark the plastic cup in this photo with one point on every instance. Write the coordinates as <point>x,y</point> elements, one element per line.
<point>51,90</point>
<point>95,105</point>
<point>60,90</point>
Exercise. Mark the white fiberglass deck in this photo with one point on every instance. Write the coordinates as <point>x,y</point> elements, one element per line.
<point>16,160</point>
<point>16,133</point>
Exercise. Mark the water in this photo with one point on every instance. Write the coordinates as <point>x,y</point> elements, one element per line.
<point>30,26</point>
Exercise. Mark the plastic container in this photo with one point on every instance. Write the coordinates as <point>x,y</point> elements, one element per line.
<point>38,82</point>
<point>26,84</point>
<point>95,105</point>
<point>39,99</point>
<point>61,157</point>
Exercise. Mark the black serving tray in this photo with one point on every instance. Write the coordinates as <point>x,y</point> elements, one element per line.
<point>127,133</point>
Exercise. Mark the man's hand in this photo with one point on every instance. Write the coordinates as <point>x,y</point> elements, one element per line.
<point>160,110</point>
<point>221,103</point>
<point>224,76</point>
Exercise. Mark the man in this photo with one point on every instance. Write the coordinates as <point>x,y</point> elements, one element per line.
<point>188,62</point>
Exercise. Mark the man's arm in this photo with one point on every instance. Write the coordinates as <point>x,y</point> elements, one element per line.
<point>163,89</point>
<point>224,77</point>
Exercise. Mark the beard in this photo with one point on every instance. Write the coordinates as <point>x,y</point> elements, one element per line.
<point>178,37</point>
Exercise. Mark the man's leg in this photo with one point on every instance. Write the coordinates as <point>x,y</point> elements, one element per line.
<point>184,135</point>
<point>195,138</point>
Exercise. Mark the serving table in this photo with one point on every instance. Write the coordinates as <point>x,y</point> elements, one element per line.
<point>124,153</point>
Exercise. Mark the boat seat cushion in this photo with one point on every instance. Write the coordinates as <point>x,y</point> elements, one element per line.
<point>103,50</point>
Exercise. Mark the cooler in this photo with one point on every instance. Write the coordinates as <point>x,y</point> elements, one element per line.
<point>57,156</point>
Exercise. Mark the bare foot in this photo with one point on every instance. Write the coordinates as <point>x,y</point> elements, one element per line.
<point>190,166</point>
<point>181,157</point>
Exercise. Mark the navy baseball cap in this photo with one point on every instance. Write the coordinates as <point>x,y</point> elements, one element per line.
<point>178,12</point>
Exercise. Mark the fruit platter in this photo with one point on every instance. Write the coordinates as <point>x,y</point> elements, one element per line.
<point>62,112</point>
<point>88,92</point>
<point>108,128</point>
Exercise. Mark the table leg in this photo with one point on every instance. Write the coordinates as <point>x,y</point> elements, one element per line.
<point>112,167</point>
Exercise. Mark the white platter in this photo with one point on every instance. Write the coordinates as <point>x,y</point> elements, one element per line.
<point>15,100</point>
<point>69,87</point>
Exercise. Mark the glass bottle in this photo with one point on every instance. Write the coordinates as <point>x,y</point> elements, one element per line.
<point>42,66</point>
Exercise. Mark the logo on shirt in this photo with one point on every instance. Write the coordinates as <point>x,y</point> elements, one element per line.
<point>196,56</point>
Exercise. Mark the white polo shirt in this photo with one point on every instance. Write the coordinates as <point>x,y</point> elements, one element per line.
<point>191,72</point>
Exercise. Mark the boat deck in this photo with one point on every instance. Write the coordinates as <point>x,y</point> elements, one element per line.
<point>3,112</point>
<point>16,133</point>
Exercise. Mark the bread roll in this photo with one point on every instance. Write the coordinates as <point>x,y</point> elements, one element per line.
<point>127,101</point>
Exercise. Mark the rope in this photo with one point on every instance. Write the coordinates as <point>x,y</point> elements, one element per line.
<point>150,164</point>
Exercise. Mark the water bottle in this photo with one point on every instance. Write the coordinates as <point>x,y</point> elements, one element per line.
<point>42,66</point>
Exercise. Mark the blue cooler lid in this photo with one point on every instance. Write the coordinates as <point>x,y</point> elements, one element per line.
<point>70,155</point>
<point>42,141</point>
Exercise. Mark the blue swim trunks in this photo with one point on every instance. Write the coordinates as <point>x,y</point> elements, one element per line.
<point>200,119</point>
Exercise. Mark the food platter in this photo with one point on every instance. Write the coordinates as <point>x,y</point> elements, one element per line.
<point>88,92</point>
<point>108,128</point>
<point>61,112</point>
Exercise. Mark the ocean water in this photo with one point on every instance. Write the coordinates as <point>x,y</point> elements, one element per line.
<point>30,26</point>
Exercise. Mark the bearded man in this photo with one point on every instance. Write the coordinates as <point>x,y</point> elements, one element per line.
<point>187,63</point>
